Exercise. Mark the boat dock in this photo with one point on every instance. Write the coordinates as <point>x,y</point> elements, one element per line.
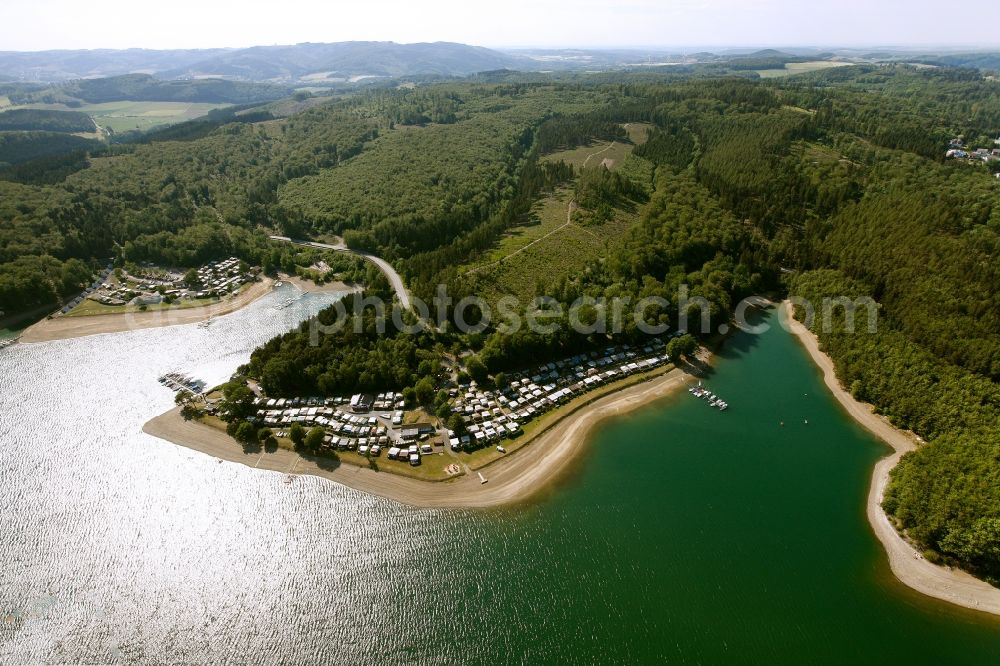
<point>178,382</point>
<point>700,391</point>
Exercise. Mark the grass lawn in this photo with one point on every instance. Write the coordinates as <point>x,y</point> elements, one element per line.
<point>90,307</point>
<point>478,459</point>
<point>126,116</point>
<point>793,68</point>
<point>431,468</point>
<point>418,415</point>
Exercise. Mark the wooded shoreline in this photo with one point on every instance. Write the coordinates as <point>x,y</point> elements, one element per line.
<point>909,566</point>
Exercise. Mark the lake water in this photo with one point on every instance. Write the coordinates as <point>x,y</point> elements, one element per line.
<point>683,535</point>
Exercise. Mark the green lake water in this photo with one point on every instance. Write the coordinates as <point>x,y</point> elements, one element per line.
<point>681,535</point>
<point>692,536</point>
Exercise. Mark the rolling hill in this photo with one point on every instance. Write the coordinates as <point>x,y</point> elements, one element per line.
<point>261,63</point>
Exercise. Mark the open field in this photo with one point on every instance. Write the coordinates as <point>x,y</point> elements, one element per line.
<point>550,244</point>
<point>597,152</point>
<point>547,215</point>
<point>127,116</point>
<point>592,154</point>
<point>545,250</point>
<point>793,68</point>
<point>90,307</point>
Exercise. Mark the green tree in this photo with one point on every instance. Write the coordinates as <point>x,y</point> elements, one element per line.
<point>297,434</point>
<point>476,369</point>
<point>189,412</point>
<point>314,439</point>
<point>237,402</point>
<point>457,424</point>
<point>266,436</point>
<point>424,390</point>
<point>409,396</point>
<point>246,433</point>
<point>683,347</point>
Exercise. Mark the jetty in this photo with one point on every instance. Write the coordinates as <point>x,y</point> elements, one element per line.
<point>713,400</point>
<point>175,381</point>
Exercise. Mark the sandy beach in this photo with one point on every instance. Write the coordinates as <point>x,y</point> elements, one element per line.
<point>513,478</point>
<point>909,566</point>
<point>62,328</point>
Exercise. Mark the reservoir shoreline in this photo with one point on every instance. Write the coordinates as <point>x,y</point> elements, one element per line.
<point>908,565</point>
<point>65,328</point>
<point>517,477</point>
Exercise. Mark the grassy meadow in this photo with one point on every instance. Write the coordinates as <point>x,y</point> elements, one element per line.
<point>552,243</point>
<point>793,68</point>
<point>127,116</point>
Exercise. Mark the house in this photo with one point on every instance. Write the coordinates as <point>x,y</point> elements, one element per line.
<point>410,433</point>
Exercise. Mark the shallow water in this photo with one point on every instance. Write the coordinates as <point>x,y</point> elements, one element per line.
<point>683,535</point>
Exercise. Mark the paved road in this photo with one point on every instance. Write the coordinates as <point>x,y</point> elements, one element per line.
<point>390,273</point>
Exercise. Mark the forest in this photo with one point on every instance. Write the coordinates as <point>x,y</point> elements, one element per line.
<point>143,87</point>
<point>45,121</point>
<point>827,183</point>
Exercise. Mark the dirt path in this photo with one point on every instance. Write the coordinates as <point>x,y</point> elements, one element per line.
<point>606,149</point>
<point>952,585</point>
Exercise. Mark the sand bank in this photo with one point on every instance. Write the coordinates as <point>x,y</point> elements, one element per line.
<point>952,585</point>
<point>513,478</point>
<point>62,328</point>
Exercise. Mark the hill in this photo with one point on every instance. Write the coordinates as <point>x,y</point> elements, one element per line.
<point>145,88</point>
<point>344,60</point>
<point>45,120</point>
<point>261,63</point>
<point>55,66</point>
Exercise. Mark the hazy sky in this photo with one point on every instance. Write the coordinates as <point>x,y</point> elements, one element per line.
<point>49,24</point>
